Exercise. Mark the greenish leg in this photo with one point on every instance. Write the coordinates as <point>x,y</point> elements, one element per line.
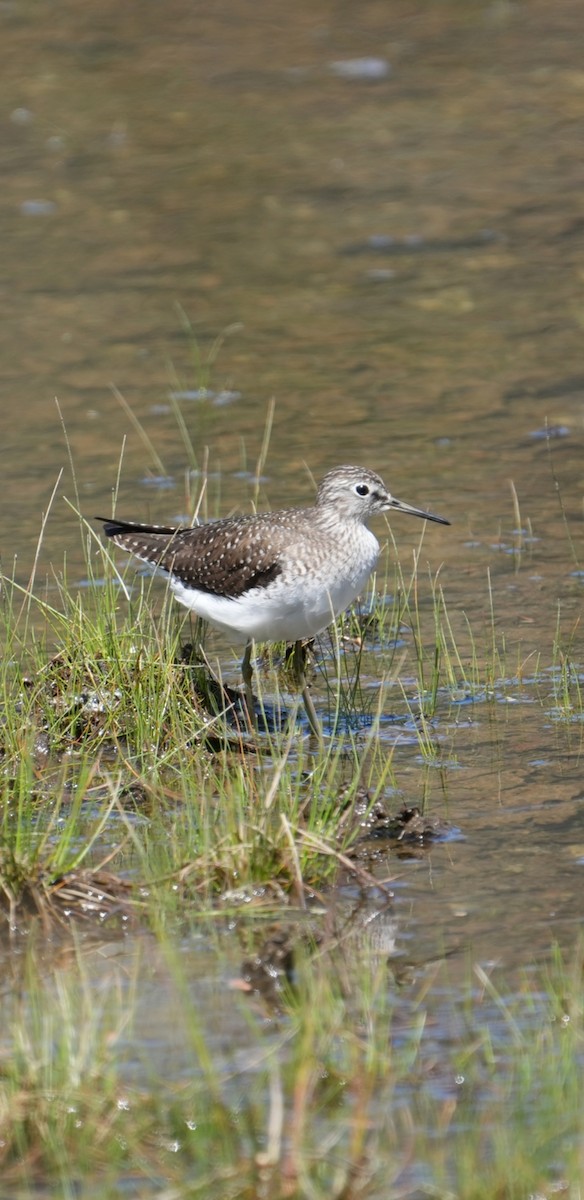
<point>298,663</point>
<point>247,674</point>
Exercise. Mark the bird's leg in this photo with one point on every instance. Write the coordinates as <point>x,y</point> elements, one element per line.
<point>247,675</point>
<point>298,662</point>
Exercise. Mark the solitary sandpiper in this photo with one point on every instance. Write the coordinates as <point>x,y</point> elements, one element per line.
<point>276,576</point>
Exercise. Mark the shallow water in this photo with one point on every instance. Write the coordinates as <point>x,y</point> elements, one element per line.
<point>398,262</point>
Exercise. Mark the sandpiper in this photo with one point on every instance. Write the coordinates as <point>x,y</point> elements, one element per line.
<point>274,576</point>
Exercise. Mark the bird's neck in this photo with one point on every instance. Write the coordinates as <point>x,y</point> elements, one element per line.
<point>331,518</point>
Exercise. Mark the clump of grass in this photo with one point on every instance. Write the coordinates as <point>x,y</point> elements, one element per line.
<point>566,676</point>
<point>50,824</point>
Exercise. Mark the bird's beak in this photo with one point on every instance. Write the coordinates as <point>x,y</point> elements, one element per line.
<point>416,512</point>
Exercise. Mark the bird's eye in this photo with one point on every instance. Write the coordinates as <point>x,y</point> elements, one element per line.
<point>361,489</point>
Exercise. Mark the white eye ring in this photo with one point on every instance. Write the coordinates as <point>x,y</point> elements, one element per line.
<point>361,489</point>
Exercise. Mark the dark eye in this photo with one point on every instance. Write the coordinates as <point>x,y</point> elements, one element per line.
<point>361,489</point>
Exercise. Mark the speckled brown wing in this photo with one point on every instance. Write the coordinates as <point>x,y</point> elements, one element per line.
<point>226,565</point>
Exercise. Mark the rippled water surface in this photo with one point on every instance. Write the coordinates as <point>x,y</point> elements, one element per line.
<point>394,253</point>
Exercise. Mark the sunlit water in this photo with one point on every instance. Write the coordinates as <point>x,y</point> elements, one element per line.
<point>395,256</point>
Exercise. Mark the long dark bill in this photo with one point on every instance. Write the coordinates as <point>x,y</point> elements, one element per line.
<point>417,512</point>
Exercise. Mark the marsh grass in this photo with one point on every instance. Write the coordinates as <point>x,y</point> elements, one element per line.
<point>111,718</point>
<point>132,798</point>
<point>349,1096</point>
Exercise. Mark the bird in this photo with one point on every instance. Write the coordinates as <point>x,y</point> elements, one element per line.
<point>281,575</point>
